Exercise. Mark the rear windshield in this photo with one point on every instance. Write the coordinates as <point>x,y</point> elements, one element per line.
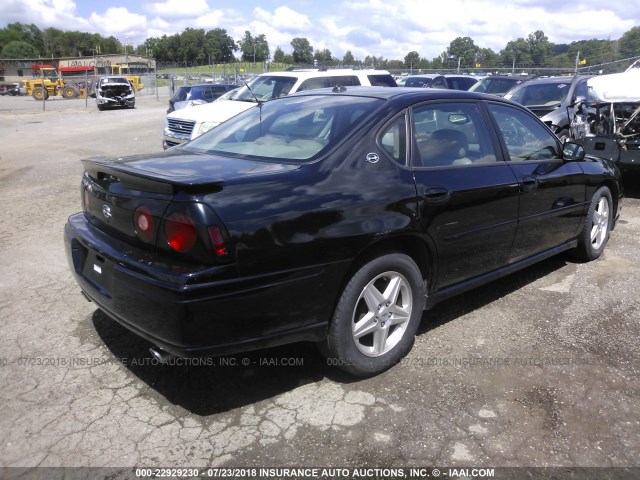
<point>294,129</point>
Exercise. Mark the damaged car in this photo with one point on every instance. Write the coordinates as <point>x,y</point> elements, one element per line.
<point>609,126</point>
<point>114,91</point>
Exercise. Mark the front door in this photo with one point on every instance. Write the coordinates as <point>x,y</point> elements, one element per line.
<point>552,190</point>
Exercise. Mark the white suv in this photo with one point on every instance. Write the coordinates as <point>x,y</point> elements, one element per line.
<point>188,123</point>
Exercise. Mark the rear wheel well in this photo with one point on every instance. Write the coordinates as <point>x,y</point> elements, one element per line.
<point>411,246</point>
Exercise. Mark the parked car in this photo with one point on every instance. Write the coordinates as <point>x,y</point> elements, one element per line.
<point>184,125</point>
<point>418,81</point>
<point>333,216</point>
<point>610,126</point>
<point>187,95</point>
<point>10,89</point>
<point>497,84</point>
<point>114,91</point>
<point>550,99</point>
<point>448,81</point>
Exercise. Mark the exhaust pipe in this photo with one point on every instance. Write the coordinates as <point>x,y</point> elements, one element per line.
<point>160,355</point>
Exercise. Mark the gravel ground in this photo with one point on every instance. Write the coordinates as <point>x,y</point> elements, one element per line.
<point>539,369</point>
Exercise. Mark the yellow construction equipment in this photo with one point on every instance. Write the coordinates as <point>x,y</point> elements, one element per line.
<point>49,83</point>
<point>124,70</point>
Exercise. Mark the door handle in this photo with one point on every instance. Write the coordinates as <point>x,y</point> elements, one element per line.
<point>437,195</point>
<point>529,183</point>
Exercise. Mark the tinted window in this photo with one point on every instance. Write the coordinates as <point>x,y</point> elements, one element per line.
<point>292,129</point>
<point>540,94</point>
<point>382,81</point>
<point>418,82</point>
<point>526,138</point>
<point>439,82</point>
<point>450,134</point>
<point>394,140</point>
<point>329,81</point>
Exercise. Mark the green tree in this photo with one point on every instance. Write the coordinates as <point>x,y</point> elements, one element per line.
<point>516,53</point>
<point>629,43</point>
<point>464,50</point>
<point>278,55</point>
<point>220,46</point>
<point>412,59</point>
<point>323,57</point>
<point>302,51</point>
<point>348,58</point>
<point>539,47</point>
<point>18,49</point>
<point>192,46</point>
<point>254,49</point>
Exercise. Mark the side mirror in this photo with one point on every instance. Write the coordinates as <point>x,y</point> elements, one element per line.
<point>572,152</point>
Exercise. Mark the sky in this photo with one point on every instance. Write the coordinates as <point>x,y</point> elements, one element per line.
<point>382,28</point>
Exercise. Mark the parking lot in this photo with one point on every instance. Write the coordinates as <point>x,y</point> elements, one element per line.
<point>539,369</point>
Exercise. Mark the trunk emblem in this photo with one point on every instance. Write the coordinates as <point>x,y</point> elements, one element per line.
<point>106,211</point>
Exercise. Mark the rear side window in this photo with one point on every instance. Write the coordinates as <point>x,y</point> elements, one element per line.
<point>382,80</point>
<point>450,134</point>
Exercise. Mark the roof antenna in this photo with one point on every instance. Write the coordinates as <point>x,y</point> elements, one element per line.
<point>253,94</point>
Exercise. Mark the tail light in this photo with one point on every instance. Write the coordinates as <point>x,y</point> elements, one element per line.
<point>143,221</point>
<point>217,241</point>
<point>180,231</point>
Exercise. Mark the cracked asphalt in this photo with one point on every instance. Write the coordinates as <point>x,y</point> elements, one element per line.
<point>537,369</point>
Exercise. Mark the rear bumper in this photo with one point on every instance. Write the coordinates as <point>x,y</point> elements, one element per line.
<point>202,310</point>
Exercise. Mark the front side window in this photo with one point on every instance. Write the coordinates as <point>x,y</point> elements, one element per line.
<point>524,135</point>
<point>450,134</point>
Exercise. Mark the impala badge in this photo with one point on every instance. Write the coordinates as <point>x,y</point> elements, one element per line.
<point>106,211</point>
<point>372,157</point>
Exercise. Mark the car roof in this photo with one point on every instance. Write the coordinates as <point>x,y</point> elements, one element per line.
<point>113,77</point>
<point>556,79</point>
<point>323,73</point>
<point>386,93</point>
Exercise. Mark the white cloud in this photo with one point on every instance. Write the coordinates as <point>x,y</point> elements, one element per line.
<point>381,28</point>
<point>178,8</point>
<point>118,21</point>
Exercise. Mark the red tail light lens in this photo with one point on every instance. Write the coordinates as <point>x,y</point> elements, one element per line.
<point>143,221</point>
<point>217,241</point>
<point>180,231</point>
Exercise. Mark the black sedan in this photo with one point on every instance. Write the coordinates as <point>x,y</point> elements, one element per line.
<point>333,216</point>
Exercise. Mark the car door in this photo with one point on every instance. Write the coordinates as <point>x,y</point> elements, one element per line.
<point>552,190</point>
<point>467,194</point>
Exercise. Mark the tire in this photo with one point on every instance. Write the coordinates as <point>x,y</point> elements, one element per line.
<point>70,92</point>
<point>377,316</point>
<point>101,107</point>
<point>597,226</point>
<point>39,92</point>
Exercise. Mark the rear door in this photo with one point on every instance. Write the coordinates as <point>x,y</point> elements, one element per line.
<point>552,190</point>
<point>467,194</point>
